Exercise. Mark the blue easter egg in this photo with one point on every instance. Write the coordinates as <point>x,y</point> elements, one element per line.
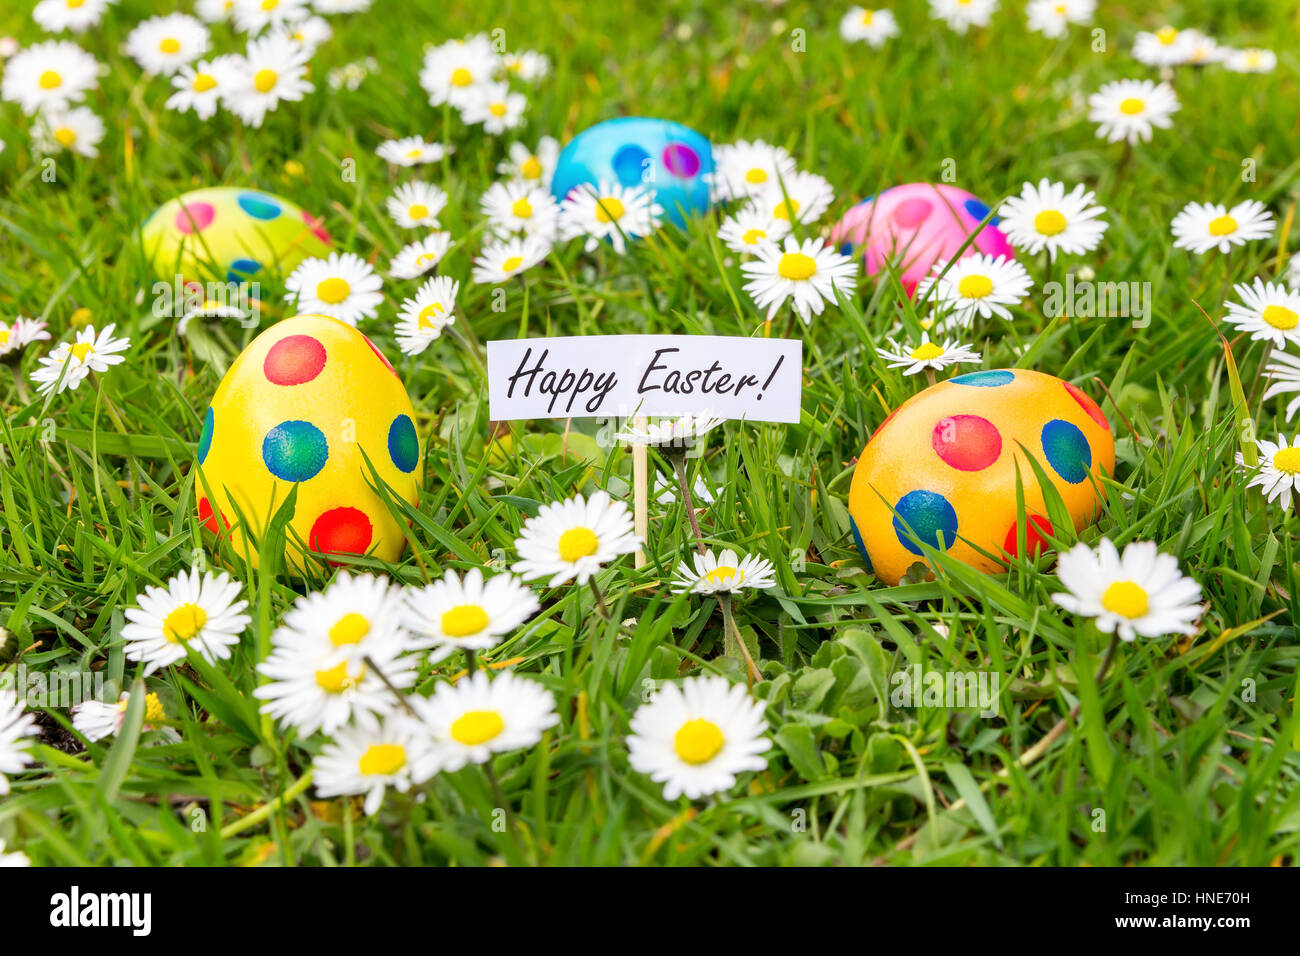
<point>635,150</point>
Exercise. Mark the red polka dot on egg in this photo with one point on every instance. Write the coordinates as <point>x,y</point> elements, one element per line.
<point>341,531</point>
<point>294,360</point>
<point>966,442</point>
<point>1087,404</point>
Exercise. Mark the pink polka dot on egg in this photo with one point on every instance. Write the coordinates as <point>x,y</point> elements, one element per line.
<point>916,225</point>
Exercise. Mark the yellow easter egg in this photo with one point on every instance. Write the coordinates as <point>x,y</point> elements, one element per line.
<point>229,234</point>
<point>943,467</point>
<point>300,406</point>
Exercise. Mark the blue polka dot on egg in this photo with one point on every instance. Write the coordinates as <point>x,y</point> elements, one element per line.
<point>295,451</point>
<point>987,379</point>
<point>403,444</point>
<point>259,206</point>
<point>205,439</point>
<point>928,516</point>
<point>1067,450</point>
<point>241,269</point>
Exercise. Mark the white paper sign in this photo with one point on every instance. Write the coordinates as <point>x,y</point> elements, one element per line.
<point>605,376</point>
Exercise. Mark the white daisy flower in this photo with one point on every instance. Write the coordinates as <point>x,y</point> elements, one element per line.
<point>1284,372</point>
<point>1268,311</point>
<point>1164,47</point>
<point>799,197</point>
<point>1129,109</point>
<point>572,539</point>
<point>411,151</point>
<point>750,227</point>
<point>318,663</point>
<point>200,87</point>
<point>526,65</point>
<point>273,70</point>
<point>743,169</point>
<point>1140,593</point>
<point>726,572</point>
<point>1250,60</point>
<point>1046,217</point>
<point>666,490</point>
<point>69,364</point>
<point>416,205</point>
<point>49,75</point>
<point>78,16</point>
<point>214,11</point>
<point>254,16</point>
<point>961,15</point>
<point>97,719</point>
<point>535,166</point>
<point>369,758</point>
<point>470,614</point>
<point>695,739</point>
<point>208,309</point>
<point>868,26</point>
<point>199,611</point>
<point>611,213</point>
<point>977,285</point>
<point>681,432</point>
<point>506,258</point>
<point>310,33</point>
<point>76,129</point>
<point>344,286</point>
<point>476,717</point>
<point>521,207</point>
<point>809,274</point>
<point>1052,18</point>
<point>453,70</point>
<point>1200,227</point>
<point>330,7</point>
<point>16,726</point>
<point>1203,49</point>
<point>423,255</point>
<point>1278,473</point>
<point>21,333</point>
<point>162,45</point>
<point>14,858</point>
<point>422,318</point>
<point>927,355</point>
<point>495,107</point>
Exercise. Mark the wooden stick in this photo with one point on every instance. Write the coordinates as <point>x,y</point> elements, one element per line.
<point>640,490</point>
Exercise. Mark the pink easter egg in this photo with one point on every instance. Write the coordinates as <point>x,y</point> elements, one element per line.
<point>916,225</point>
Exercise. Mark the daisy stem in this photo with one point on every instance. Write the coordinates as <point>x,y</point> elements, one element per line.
<point>678,458</point>
<point>600,598</point>
<point>733,644</point>
<point>401,698</point>
<point>20,385</point>
<point>498,795</point>
<point>929,375</point>
<point>471,662</point>
<point>252,819</point>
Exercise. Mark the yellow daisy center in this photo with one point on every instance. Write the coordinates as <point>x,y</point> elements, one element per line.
<point>925,351</point>
<point>1253,57</point>
<point>169,45</point>
<point>1132,106</point>
<point>975,286</point>
<point>797,266</point>
<point>461,77</point>
<point>80,350</point>
<point>4,336</point>
<point>531,168</point>
<point>1061,9</point>
<point>426,258</point>
<point>578,543</point>
<point>269,5</point>
<point>264,80</point>
<point>1223,226</point>
<point>427,314</point>
<point>1280,317</point>
<point>337,679</point>
<point>751,236</point>
<point>476,727</point>
<point>522,208</point>
<point>724,573</point>
<point>382,760</point>
<point>184,622</point>
<point>204,82</point>
<point>464,620</point>
<point>497,109</point>
<point>1167,35</point>
<point>414,153</point>
<point>1049,222</point>
<point>66,136</point>
<point>351,628</point>
<point>74,4</point>
<point>333,290</point>
<point>1287,460</point>
<point>867,17</point>
<point>511,264</point>
<point>698,741</point>
<point>756,175</point>
<point>153,708</point>
<point>786,210</point>
<point>418,211</point>
<point>1126,599</point>
<point>608,209</point>
<point>50,80</point>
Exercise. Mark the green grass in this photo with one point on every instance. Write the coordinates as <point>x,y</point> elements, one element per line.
<point>1187,768</point>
